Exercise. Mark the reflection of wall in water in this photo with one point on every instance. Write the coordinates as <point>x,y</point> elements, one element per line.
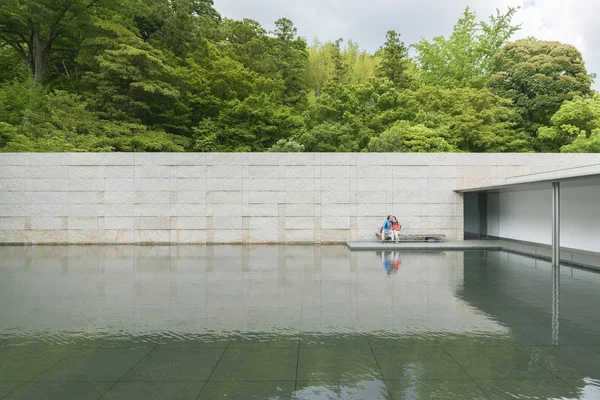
<point>226,288</point>
<point>526,282</point>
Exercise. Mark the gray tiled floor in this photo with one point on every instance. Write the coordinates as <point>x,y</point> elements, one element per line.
<point>292,323</point>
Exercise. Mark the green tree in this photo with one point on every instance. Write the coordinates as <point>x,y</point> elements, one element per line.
<point>16,97</point>
<point>476,119</point>
<point>290,58</point>
<point>171,75</point>
<point>575,120</point>
<point>364,68</point>
<point>7,133</point>
<point>319,68</point>
<point>247,42</point>
<point>37,29</point>
<point>465,58</point>
<point>349,136</point>
<point>286,146</point>
<point>329,63</point>
<point>584,143</point>
<point>127,79</point>
<point>61,121</point>
<point>282,56</point>
<point>408,138</point>
<point>340,67</point>
<point>208,78</point>
<point>394,63</point>
<point>254,124</point>
<point>11,65</point>
<point>538,77</point>
<point>179,25</point>
<point>338,119</point>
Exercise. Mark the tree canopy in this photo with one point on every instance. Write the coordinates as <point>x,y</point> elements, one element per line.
<point>173,75</point>
<point>538,77</point>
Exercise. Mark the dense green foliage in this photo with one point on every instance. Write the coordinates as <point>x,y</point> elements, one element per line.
<point>173,75</point>
<point>538,77</point>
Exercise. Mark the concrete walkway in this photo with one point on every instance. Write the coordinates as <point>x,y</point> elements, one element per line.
<point>414,245</point>
<point>568,256</point>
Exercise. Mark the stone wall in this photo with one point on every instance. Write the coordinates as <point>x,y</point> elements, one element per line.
<point>244,198</point>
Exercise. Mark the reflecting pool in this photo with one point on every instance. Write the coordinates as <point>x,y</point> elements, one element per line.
<point>293,322</point>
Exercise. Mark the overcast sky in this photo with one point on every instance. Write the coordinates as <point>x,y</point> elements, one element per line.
<point>367,21</point>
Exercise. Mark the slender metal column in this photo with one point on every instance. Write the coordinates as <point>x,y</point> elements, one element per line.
<point>555,305</point>
<point>555,262</point>
<point>555,224</point>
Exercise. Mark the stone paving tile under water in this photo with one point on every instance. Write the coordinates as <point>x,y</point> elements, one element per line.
<point>337,364</point>
<point>425,362</point>
<point>94,365</point>
<point>272,390</point>
<point>509,389</point>
<point>257,364</point>
<point>497,363</point>
<point>175,366</point>
<point>292,322</point>
<point>60,391</point>
<point>7,387</point>
<point>333,341</point>
<point>566,361</point>
<point>586,388</point>
<point>154,391</point>
<point>24,363</point>
<point>336,390</point>
<point>408,389</point>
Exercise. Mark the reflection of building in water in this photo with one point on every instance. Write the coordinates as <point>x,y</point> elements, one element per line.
<point>421,297</point>
<point>274,292</point>
<point>219,289</point>
<point>529,284</point>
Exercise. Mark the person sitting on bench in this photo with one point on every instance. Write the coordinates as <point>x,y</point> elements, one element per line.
<point>386,228</point>
<point>395,228</point>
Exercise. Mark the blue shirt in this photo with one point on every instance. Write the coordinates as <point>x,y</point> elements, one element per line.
<point>387,225</point>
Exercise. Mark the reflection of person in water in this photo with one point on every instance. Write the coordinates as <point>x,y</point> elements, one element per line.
<point>387,261</point>
<point>391,262</point>
<point>397,262</point>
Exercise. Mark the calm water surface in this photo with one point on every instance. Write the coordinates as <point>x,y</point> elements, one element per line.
<point>293,322</point>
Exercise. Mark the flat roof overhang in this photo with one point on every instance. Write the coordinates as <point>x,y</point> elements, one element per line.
<point>565,178</point>
<point>570,177</point>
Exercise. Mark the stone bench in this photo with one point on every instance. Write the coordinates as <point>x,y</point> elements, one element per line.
<point>419,237</point>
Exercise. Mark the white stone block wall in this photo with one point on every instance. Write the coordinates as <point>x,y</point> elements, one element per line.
<point>245,198</point>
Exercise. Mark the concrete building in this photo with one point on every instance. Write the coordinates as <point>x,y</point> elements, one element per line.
<point>552,214</point>
<point>290,198</point>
